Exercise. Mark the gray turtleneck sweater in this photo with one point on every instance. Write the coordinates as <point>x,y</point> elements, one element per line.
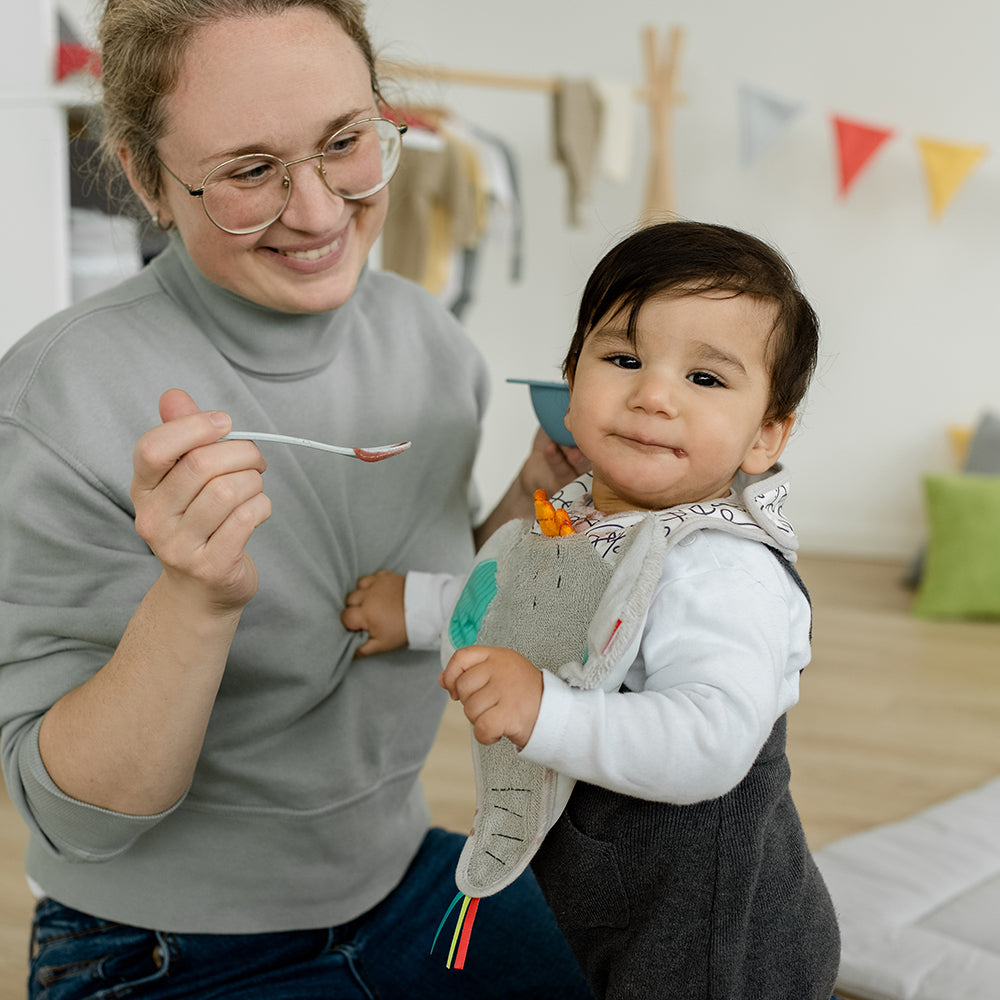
<point>305,808</point>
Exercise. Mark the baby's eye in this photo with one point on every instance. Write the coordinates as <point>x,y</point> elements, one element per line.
<point>624,360</point>
<point>706,379</point>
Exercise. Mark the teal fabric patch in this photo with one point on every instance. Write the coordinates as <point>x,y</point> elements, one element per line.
<point>467,618</point>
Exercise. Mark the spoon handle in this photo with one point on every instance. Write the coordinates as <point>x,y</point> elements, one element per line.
<point>373,454</point>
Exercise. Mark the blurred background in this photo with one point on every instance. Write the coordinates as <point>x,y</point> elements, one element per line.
<point>900,264</point>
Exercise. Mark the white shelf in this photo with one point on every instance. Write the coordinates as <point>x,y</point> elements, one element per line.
<point>64,95</point>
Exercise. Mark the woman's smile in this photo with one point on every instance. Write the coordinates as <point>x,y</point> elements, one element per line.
<point>307,257</point>
<point>313,254</point>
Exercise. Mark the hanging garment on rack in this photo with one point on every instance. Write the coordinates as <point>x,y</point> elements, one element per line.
<point>504,218</point>
<point>593,121</point>
<point>455,189</point>
<point>506,212</point>
<point>432,210</point>
<point>576,120</point>
<point>617,139</point>
<point>490,165</point>
<point>451,245</point>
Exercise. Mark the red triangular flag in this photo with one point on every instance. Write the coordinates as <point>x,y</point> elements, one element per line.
<point>72,57</point>
<point>856,144</point>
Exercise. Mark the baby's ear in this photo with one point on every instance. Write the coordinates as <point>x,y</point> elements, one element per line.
<point>568,418</point>
<point>769,445</point>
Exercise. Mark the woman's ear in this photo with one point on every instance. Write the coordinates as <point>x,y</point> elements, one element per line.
<point>128,165</point>
<point>767,448</point>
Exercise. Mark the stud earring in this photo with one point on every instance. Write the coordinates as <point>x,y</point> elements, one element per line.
<point>159,225</point>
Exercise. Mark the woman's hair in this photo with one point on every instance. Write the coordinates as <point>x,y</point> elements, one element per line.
<point>143,43</point>
<point>687,258</point>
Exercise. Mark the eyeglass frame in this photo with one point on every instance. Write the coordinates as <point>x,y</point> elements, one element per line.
<point>199,192</point>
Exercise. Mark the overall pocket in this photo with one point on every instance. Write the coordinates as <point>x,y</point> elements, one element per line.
<point>580,878</point>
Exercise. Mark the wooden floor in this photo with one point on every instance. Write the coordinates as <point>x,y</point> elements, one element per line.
<point>895,714</point>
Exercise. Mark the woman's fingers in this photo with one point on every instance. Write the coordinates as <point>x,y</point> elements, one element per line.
<point>197,499</point>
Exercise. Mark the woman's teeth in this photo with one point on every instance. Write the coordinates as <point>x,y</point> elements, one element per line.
<point>309,254</point>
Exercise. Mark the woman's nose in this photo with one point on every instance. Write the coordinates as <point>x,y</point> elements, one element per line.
<point>312,206</point>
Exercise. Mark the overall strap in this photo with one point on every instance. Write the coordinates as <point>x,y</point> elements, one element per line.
<point>799,582</point>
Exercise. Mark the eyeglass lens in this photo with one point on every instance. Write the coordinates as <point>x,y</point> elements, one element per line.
<point>247,193</point>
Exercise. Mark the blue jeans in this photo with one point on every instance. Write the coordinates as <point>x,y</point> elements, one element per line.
<point>515,951</point>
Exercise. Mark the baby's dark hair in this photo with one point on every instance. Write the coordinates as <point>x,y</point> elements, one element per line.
<point>686,258</point>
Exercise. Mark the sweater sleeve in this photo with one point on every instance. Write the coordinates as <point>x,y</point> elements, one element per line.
<point>75,829</point>
<point>718,665</point>
<point>59,534</point>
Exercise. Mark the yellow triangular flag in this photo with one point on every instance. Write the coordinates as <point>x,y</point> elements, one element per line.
<point>947,165</point>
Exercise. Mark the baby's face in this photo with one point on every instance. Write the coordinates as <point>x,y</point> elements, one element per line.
<point>671,418</point>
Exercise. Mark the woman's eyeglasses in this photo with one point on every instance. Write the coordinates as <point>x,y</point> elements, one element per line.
<point>247,193</point>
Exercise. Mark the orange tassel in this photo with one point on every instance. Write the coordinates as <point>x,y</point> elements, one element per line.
<point>554,523</point>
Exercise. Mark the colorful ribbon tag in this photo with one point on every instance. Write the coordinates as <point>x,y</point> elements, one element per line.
<point>463,930</point>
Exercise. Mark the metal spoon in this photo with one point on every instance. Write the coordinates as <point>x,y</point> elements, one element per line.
<point>374,454</point>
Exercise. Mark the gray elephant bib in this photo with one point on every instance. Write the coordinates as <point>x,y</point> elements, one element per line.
<point>576,606</point>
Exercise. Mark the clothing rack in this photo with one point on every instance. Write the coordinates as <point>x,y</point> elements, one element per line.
<point>659,90</point>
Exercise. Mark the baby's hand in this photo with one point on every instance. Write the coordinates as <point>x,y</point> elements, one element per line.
<point>376,607</point>
<point>499,689</point>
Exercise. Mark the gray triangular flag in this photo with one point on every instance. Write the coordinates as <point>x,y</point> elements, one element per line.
<point>763,118</point>
<point>67,34</point>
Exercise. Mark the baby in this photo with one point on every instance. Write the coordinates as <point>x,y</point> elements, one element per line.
<point>627,683</point>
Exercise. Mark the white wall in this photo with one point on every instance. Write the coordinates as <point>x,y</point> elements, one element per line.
<point>909,312</point>
<point>34,261</point>
<point>911,341</point>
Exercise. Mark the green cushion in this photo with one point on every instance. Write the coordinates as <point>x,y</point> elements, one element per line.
<point>961,577</point>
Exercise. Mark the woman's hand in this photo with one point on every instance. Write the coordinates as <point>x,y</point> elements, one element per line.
<point>198,500</point>
<point>549,466</point>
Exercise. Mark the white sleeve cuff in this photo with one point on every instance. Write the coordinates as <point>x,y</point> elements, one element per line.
<point>553,717</point>
<point>428,600</point>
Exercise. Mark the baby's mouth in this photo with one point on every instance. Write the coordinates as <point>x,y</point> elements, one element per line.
<point>656,445</point>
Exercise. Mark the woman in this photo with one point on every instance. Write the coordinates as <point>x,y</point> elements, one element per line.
<point>221,800</point>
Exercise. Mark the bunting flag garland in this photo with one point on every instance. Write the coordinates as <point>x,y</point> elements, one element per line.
<point>856,145</point>
<point>763,118</point>
<point>947,166</point>
<point>72,56</point>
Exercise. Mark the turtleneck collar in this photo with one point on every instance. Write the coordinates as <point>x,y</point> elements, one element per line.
<point>255,338</point>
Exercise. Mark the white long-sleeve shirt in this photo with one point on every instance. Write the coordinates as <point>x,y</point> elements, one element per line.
<point>725,639</point>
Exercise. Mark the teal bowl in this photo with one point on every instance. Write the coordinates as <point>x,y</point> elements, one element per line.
<point>550,401</point>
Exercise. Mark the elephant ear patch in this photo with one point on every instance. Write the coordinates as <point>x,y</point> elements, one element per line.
<point>479,590</point>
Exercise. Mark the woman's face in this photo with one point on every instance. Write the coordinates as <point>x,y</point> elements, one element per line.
<point>279,84</point>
